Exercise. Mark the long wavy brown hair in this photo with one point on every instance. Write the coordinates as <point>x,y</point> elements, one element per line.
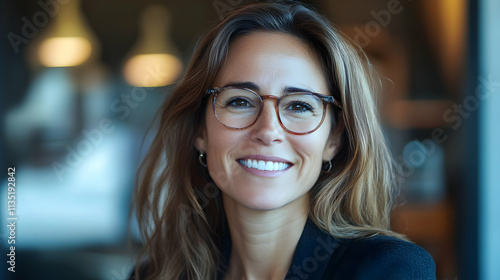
<point>178,206</point>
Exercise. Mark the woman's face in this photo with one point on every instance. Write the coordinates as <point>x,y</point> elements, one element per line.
<point>273,62</point>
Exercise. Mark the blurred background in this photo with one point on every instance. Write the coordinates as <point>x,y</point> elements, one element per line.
<point>81,81</point>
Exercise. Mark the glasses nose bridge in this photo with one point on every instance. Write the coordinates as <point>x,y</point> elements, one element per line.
<point>264,97</point>
<point>275,106</point>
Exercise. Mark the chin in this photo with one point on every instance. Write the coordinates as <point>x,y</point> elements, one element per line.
<point>264,205</point>
<point>265,202</point>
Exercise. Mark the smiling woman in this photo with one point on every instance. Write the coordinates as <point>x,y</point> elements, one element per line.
<point>276,166</point>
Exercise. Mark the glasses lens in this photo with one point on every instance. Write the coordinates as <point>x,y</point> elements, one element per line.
<point>301,112</point>
<point>237,108</point>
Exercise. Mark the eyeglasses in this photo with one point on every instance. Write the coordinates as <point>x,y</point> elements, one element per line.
<point>298,112</point>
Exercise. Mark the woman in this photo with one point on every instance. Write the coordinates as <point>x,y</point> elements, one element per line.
<point>270,162</point>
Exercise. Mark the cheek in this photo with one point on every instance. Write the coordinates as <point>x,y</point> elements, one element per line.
<point>312,146</point>
<point>218,170</point>
<point>221,165</point>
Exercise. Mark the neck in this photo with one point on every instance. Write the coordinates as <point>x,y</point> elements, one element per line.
<point>263,242</point>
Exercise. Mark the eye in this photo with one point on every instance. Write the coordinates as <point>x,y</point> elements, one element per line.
<point>298,106</point>
<point>239,102</point>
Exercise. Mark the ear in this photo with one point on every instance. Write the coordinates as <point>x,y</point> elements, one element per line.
<point>334,140</point>
<point>200,142</point>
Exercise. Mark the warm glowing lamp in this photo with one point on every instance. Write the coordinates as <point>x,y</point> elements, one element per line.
<point>64,51</point>
<point>152,62</point>
<point>70,42</point>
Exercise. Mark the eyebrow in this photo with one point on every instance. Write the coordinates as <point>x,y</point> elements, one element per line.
<point>254,87</point>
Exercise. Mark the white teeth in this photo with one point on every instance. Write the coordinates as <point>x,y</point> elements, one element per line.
<point>262,165</point>
<point>265,165</point>
<point>269,165</point>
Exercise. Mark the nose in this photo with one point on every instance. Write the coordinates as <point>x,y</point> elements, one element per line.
<point>267,128</point>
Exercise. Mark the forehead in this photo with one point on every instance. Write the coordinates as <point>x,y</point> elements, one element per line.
<point>272,60</point>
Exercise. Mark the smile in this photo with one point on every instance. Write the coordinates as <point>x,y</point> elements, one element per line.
<point>264,165</point>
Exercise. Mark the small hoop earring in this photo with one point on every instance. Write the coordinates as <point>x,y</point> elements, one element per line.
<point>202,159</point>
<point>327,167</point>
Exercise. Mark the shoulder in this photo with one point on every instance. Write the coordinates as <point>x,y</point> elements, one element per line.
<point>382,257</point>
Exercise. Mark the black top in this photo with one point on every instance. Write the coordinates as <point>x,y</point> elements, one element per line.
<point>320,256</point>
